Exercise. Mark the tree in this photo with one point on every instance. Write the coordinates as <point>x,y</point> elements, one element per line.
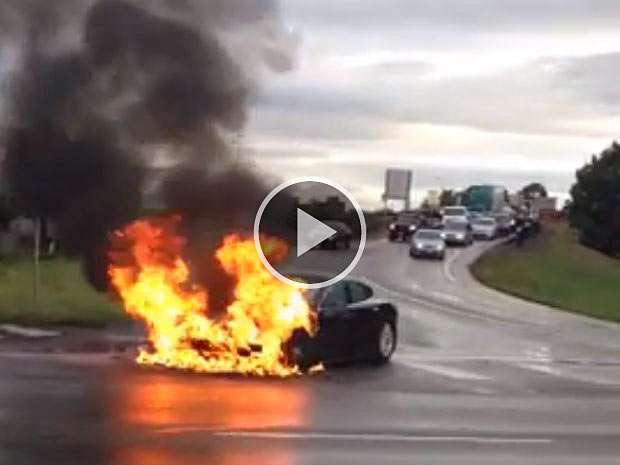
<point>534,190</point>
<point>7,211</point>
<point>448,197</point>
<point>595,206</point>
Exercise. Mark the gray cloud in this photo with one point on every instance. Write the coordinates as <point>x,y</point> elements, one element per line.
<point>545,96</point>
<point>476,15</point>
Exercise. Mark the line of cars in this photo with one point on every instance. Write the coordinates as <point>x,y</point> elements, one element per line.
<point>429,233</point>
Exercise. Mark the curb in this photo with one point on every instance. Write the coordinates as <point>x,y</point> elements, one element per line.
<point>30,333</point>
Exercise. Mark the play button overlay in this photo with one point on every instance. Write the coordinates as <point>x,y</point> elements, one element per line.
<point>310,232</point>
<point>323,225</point>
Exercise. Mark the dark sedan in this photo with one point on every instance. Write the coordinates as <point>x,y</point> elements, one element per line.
<point>353,325</point>
<point>403,226</point>
<point>341,239</point>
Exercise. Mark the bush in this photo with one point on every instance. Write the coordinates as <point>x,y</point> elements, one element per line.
<point>595,207</point>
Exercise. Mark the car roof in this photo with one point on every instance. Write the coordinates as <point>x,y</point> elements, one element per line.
<point>428,230</point>
<point>312,278</point>
<point>337,224</point>
<point>455,223</point>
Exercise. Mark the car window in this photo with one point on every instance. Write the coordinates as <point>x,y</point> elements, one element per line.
<point>359,292</point>
<point>454,211</point>
<point>407,218</point>
<point>431,235</point>
<point>457,226</point>
<point>337,296</point>
<point>338,226</point>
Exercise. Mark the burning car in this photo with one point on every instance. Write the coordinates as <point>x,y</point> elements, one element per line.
<point>267,328</point>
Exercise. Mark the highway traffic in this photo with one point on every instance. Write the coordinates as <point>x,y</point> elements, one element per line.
<point>477,377</point>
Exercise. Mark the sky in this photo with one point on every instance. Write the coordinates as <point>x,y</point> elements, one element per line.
<point>459,91</point>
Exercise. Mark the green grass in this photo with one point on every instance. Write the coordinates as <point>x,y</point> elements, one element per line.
<point>64,298</point>
<point>556,270</point>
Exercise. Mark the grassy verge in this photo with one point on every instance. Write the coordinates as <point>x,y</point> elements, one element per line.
<point>555,269</point>
<point>65,298</point>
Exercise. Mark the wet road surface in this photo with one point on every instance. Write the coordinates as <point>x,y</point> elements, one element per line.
<point>478,378</point>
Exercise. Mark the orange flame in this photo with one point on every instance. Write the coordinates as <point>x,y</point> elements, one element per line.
<point>154,282</point>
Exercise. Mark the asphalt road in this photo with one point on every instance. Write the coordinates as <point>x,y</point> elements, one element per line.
<point>478,378</point>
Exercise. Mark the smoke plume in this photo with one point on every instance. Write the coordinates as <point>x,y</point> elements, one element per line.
<point>108,94</point>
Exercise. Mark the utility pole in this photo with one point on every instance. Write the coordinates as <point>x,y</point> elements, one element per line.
<point>36,258</point>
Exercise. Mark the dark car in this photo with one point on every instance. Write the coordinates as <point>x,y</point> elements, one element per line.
<point>458,232</point>
<point>342,238</point>
<point>353,325</point>
<point>403,226</point>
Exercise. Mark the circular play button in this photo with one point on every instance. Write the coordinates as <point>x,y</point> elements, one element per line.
<point>323,225</point>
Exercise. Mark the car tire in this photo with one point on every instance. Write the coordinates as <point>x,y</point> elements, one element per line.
<point>385,343</point>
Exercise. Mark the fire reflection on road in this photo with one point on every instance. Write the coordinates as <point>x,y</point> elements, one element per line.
<point>163,418</point>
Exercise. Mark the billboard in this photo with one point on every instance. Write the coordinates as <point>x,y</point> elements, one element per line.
<point>397,184</point>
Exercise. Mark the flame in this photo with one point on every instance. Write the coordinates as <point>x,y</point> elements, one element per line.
<point>153,280</point>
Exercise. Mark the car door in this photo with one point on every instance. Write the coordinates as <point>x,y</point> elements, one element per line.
<point>335,320</point>
<point>363,318</point>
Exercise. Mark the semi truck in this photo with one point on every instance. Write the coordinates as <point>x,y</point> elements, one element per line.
<point>485,199</point>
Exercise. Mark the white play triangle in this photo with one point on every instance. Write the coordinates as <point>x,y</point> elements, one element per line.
<point>310,232</point>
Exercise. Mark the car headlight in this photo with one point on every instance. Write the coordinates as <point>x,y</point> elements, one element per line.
<point>418,245</point>
<point>412,227</point>
<point>392,227</point>
<point>460,236</point>
<point>440,247</point>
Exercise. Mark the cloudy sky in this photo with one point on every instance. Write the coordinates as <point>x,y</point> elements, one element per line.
<point>460,91</point>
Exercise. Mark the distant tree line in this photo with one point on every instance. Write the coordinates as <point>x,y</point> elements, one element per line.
<point>534,190</point>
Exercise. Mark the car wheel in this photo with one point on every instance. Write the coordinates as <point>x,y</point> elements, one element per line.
<point>385,343</point>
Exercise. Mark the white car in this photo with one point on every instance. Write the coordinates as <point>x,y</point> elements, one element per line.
<point>455,213</point>
<point>485,227</point>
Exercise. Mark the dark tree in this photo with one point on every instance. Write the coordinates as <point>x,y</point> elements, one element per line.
<point>595,206</point>
<point>534,190</point>
<point>447,197</point>
<point>8,211</point>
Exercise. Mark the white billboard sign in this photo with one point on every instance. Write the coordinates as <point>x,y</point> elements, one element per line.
<point>397,184</point>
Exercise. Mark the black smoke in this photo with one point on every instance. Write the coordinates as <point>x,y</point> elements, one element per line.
<point>107,92</point>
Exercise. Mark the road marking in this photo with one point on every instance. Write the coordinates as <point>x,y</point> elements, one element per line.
<point>442,370</point>
<point>552,371</point>
<point>412,353</point>
<point>369,437</point>
<point>447,266</point>
<point>447,297</point>
<point>429,304</point>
